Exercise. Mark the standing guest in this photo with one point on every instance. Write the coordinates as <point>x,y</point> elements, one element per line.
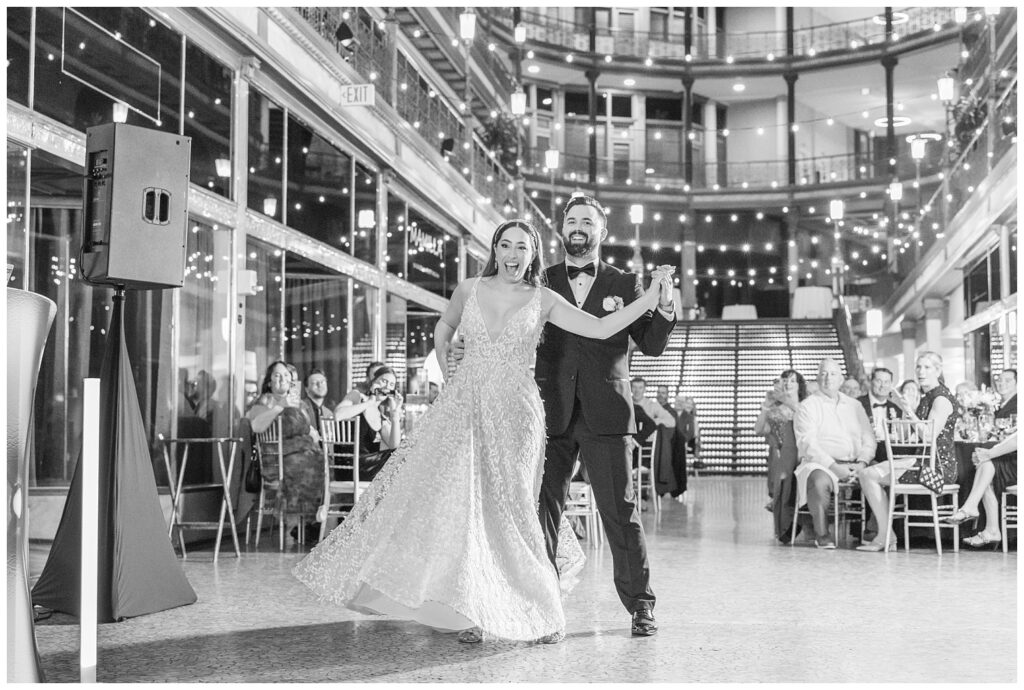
<point>655,423</point>
<point>315,403</point>
<point>851,387</point>
<point>911,392</point>
<point>583,384</point>
<point>662,398</point>
<point>686,443</point>
<point>937,405</point>
<point>302,486</point>
<point>879,407</point>
<point>996,470</point>
<point>834,441</point>
<point>776,422</point>
<point>1006,385</point>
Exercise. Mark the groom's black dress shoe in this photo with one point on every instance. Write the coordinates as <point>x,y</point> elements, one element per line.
<point>643,623</point>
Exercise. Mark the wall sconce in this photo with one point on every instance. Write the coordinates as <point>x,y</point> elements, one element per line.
<point>270,206</point>
<point>991,11</point>
<point>836,209</point>
<point>519,33</point>
<point>365,219</point>
<point>896,190</point>
<point>873,323</point>
<point>918,146</point>
<point>947,89</point>
<point>636,214</point>
<point>223,166</point>
<point>120,112</point>
<point>551,159</point>
<point>960,14</point>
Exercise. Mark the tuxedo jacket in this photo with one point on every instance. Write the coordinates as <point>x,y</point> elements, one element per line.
<point>597,369</point>
<point>1008,408</point>
<point>892,410</point>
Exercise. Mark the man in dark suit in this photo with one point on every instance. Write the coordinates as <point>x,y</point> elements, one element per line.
<point>1006,384</point>
<point>586,392</point>
<point>879,407</point>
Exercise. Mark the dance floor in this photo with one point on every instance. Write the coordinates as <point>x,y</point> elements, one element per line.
<point>732,606</point>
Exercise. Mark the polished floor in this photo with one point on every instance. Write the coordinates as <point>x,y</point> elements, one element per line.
<point>732,606</point>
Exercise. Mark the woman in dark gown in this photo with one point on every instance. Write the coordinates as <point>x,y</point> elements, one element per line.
<point>776,422</point>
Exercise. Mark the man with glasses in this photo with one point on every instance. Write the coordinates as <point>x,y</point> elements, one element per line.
<point>586,391</point>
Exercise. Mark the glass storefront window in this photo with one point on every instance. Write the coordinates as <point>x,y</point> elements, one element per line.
<point>19,30</point>
<point>316,321</point>
<point>363,327</point>
<point>204,396</point>
<point>396,236</point>
<point>433,256</point>
<point>474,264</point>
<point>266,148</point>
<point>263,314</point>
<point>319,189</point>
<point>123,54</point>
<point>17,186</point>
<point>364,236</point>
<point>208,119</point>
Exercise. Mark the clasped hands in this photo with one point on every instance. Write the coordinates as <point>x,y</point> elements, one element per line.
<point>662,276</point>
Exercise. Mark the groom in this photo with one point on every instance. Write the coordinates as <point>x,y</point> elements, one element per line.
<point>585,387</point>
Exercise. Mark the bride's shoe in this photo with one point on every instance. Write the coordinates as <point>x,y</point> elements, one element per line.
<point>471,636</point>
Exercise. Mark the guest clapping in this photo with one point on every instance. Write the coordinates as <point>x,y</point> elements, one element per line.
<point>381,428</point>
<point>776,422</point>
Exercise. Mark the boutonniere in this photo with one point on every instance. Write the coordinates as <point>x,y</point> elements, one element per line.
<point>612,303</point>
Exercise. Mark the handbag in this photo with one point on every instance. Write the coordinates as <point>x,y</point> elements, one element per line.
<point>253,480</point>
<point>930,479</point>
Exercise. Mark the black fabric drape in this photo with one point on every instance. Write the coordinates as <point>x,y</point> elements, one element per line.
<point>139,572</point>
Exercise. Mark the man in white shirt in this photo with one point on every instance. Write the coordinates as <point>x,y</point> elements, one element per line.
<point>834,440</point>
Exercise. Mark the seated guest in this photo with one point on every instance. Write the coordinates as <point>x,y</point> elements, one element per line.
<point>381,429</point>
<point>879,407</point>
<point>911,392</point>
<point>361,389</point>
<point>938,405</point>
<point>850,387</point>
<point>315,403</point>
<point>776,423</point>
<point>996,469</point>
<point>1006,385</point>
<point>834,440</point>
<point>302,485</point>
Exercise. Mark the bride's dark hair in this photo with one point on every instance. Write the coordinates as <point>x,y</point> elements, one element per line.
<point>535,271</point>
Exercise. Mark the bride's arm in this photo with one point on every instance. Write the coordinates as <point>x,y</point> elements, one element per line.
<point>569,318</point>
<point>446,326</point>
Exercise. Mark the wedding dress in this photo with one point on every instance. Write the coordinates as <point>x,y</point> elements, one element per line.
<point>448,534</point>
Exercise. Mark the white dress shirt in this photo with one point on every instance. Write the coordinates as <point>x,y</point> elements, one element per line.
<point>829,430</point>
<point>878,416</point>
<point>581,284</point>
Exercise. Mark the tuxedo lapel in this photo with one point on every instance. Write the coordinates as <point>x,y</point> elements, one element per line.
<point>599,290</point>
<point>558,280</point>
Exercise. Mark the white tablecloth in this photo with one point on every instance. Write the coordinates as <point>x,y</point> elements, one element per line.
<point>739,311</point>
<point>812,303</point>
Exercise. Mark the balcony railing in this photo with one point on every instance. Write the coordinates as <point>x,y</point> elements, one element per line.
<point>808,41</point>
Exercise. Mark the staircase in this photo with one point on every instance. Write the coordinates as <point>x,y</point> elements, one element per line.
<point>726,367</point>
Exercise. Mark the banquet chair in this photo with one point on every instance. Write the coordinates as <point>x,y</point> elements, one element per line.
<point>269,445</point>
<point>580,503</point>
<point>1009,514</point>
<point>644,475</point>
<point>340,441</point>
<point>907,439</point>
<point>847,506</point>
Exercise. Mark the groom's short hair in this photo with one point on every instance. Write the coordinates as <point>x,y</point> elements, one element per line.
<point>585,200</point>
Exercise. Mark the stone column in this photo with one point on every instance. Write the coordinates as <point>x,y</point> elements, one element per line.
<point>934,309</point>
<point>592,102</point>
<point>688,291</point>
<point>908,329</point>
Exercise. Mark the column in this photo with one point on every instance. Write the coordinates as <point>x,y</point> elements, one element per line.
<point>391,42</point>
<point>790,78</point>
<point>687,129</point>
<point>710,144</point>
<point>1004,260</point>
<point>934,309</point>
<point>688,263</point>
<point>908,329</point>
<point>240,192</point>
<point>792,249</point>
<point>592,103</point>
<point>889,63</point>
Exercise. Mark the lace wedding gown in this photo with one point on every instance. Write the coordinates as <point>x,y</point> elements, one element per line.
<point>448,533</point>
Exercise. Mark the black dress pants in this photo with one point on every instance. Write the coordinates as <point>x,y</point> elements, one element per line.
<point>608,463</point>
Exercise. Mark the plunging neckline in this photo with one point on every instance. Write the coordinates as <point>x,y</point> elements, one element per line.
<point>511,318</point>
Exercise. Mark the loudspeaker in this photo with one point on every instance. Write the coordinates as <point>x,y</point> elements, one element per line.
<point>136,207</point>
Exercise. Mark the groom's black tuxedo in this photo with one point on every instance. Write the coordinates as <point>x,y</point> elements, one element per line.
<point>585,387</point>
<point>596,372</point>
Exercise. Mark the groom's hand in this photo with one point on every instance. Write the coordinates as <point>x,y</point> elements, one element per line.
<point>455,354</point>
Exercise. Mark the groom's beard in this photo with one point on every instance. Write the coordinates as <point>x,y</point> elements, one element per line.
<point>578,249</point>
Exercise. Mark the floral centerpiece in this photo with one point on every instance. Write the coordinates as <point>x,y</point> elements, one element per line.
<point>978,422</point>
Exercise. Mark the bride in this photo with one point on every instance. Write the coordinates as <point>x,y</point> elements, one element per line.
<point>448,534</point>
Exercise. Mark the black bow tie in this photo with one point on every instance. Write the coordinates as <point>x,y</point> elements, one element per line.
<point>576,270</point>
<point>878,405</point>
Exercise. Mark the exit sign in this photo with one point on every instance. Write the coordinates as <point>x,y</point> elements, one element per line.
<point>357,94</point>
